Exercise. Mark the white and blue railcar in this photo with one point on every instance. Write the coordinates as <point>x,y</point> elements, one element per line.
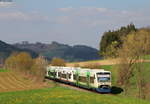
<point>97,79</point>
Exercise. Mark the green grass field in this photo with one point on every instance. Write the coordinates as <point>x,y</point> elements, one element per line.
<point>61,95</point>
<point>113,69</point>
<point>133,88</point>
<point>147,57</point>
<point>4,70</point>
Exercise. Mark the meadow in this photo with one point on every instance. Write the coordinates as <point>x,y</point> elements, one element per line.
<point>61,95</point>
<point>22,91</point>
<point>3,70</point>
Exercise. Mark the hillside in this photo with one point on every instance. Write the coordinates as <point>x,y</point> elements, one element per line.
<point>55,49</point>
<point>7,49</point>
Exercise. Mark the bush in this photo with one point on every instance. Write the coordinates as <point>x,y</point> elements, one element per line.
<point>58,62</point>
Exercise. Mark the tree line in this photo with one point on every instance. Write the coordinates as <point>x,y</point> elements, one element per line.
<point>24,64</point>
<point>33,68</point>
<point>113,39</point>
<point>130,46</point>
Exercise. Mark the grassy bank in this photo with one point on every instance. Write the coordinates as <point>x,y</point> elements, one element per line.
<point>132,89</point>
<point>4,70</point>
<point>60,95</point>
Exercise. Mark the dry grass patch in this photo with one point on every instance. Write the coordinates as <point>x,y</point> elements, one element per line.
<point>96,62</point>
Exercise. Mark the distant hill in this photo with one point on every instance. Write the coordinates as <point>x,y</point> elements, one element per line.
<point>7,49</point>
<point>55,49</point>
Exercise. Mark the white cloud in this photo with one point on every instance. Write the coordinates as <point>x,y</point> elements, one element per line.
<point>66,9</point>
<point>71,25</point>
<point>101,9</point>
<point>91,22</point>
<point>83,9</point>
<point>7,4</point>
<point>100,16</point>
<point>18,15</point>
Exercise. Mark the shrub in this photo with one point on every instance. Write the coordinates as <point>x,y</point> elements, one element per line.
<point>58,62</point>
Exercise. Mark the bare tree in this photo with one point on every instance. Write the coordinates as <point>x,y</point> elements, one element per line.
<point>39,68</point>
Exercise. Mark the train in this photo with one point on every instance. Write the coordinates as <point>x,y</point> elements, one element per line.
<point>94,79</point>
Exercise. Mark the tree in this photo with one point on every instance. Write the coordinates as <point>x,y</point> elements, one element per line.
<point>19,62</point>
<point>39,68</point>
<point>11,63</point>
<point>109,38</point>
<point>135,46</point>
<point>24,62</point>
<point>111,50</point>
<point>58,62</point>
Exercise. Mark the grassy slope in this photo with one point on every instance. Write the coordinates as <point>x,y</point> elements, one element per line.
<point>60,95</point>
<point>133,88</point>
<point>3,70</point>
<point>102,62</point>
<point>147,57</point>
<point>98,62</point>
<point>112,68</point>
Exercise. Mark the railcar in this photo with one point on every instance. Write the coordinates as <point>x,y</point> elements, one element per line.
<point>96,79</point>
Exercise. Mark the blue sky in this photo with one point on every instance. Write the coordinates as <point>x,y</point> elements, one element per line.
<point>69,21</point>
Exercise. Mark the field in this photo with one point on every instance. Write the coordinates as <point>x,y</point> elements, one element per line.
<point>14,89</point>
<point>98,62</point>
<point>10,81</point>
<point>61,95</point>
<point>3,70</point>
<point>103,62</point>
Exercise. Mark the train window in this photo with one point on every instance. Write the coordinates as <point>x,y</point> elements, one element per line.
<point>82,79</point>
<point>74,77</point>
<point>92,79</point>
<point>64,75</point>
<point>52,73</point>
<point>69,76</point>
<point>59,74</point>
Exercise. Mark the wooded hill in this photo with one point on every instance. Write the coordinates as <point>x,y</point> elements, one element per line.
<point>7,49</point>
<point>66,52</point>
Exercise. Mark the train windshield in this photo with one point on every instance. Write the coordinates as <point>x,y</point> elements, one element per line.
<point>103,77</point>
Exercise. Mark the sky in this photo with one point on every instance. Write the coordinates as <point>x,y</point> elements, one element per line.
<point>70,22</point>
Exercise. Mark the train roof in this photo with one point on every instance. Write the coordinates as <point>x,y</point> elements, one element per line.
<point>74,69</point>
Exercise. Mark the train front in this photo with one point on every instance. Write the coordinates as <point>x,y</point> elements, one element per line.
<point>104,82</point>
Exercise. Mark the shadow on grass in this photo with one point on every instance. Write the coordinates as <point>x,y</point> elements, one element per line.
<point>116,90</point>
